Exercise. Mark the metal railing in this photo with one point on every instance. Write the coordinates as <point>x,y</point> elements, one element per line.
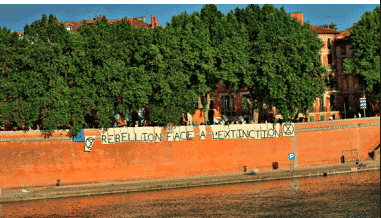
<point>333,108</point>
<point>313,110</point>
<point>323,109</point>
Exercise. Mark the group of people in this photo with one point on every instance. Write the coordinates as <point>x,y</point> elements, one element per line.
<point>353,113</point>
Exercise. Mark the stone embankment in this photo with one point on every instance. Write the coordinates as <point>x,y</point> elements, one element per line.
<point>183,182</point>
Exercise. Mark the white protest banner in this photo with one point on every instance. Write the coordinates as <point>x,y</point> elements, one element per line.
<point>110,136</point>
<point>157,134</point>
<point>243,131</point>
<point>234,131</point>
<point>104,137</point>
<point>190,132</point>
<point>273,130</point>
<point>150,137</point>
<point>117,135</point>
<point>263,133</point>
<point>227,133</point>
<point>255,134</point>
<point>202,132</point>
<point>170,135</point>
<point>218,132</point>
<point>176,134</point>
<point>183,133</point>
<point>130,134</point>
<point>124,134</point>
<point>277,130</point>
<point>270,130</point>
<point>139,133</point>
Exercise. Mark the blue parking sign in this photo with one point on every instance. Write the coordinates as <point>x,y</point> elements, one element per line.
<point>291,156</point>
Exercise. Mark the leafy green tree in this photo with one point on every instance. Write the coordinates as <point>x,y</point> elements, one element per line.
<point>12,54</point>
<point>183,58</point>
<point>229,38</point>
<point>115,56</point>
<point>332,26</point>
<point>284,69</point>
<point>365,42</point>
<point>35,76</point>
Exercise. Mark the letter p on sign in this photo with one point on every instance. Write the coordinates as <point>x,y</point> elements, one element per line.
<point>291,156</point>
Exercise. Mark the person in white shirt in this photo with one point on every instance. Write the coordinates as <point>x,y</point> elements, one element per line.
<point>359,115</point>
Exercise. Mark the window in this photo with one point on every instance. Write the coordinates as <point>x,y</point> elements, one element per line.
<point>329,44</point>
<point>343,50</point>
<point>321,101</point>
<point>330,58</point>
<point>227,105</point>
<point>330,62</point>
<point>339,65</point>
<point>332,102</point>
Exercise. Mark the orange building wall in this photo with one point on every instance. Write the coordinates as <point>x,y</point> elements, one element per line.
<point>42,163</point>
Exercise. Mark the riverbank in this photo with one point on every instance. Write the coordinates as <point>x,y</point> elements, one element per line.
<point>183,182</point>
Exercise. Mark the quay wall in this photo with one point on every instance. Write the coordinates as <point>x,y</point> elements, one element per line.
<point>29,159</point>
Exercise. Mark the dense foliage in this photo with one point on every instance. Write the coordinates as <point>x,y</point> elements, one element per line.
<point>284,69</point>
<point>365,42</point>
<point>66,78</point>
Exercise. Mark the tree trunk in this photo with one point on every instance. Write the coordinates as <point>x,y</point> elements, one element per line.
<point>200,105</point>
<point>206,117</point>
<point>296,115</point>
<point>199,102</point>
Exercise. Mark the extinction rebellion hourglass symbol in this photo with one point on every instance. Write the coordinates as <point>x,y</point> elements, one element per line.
<point>89,143</point>
<point>289,128</point>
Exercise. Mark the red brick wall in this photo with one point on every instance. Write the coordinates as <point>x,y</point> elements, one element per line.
<point>41,163</point>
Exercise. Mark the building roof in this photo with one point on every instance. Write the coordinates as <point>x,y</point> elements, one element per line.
<point>323,30</point>
<point>343,34</point>
<point>136,22</point>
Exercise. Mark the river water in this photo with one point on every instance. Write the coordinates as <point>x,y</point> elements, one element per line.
<point>346,195</point>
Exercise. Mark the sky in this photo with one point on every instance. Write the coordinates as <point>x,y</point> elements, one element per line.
<point>16,16</point>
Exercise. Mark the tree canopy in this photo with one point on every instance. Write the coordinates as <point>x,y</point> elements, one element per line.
<point>63,77</point>
<point>285,70</point>
<point>35,84</point>
<point>365,42</point>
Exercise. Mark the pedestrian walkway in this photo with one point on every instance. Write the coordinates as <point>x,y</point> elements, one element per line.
<point>183,182</point>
